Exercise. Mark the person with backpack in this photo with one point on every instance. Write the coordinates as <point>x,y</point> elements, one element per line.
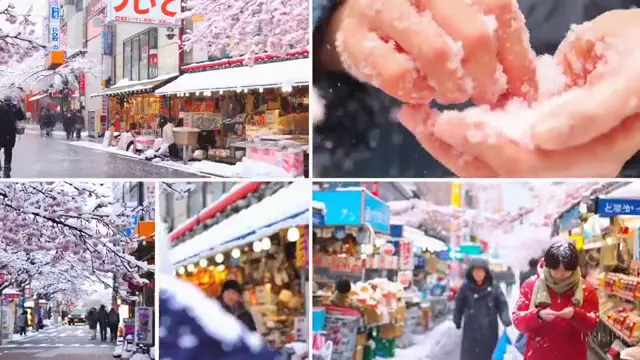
<point>557,309</point>
<point>114,323</point>
<point>10,113</point>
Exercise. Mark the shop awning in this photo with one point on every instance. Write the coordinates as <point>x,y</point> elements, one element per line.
<point>126,87</point>
<point>269,75</point>
<point>287,207</point>
<point>421,240</point>
<point>38,97</point>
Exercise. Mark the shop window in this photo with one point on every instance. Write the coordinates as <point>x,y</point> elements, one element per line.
<point>153,53</point>
<point>126,61</point>
<point>144,56</point>
<point>79,5</point>
<point>135,59</point>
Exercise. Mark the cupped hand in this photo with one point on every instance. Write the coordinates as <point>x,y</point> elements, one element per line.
<point>547,314</point>
<point>451,50</point>
<point>590,130</point>
<point>566,313</point>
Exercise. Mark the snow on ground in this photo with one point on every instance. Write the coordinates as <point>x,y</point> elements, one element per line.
<point>444,340</point>
<point>246,168</point>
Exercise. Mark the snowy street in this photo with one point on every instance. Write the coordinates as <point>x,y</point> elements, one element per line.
<point>35,156</point>
<point>57,342</point>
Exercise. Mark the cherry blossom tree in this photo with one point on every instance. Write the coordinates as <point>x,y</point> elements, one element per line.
<point>17,35</point>
<point>58,236</point>
<point>249,27</point>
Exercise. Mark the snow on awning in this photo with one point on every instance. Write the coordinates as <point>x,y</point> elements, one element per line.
<point>287,207</point>
<point>421,240</point>
<point>125,86</point>
<point>38,97</point>
<point>269,75</point>
<point>629,191</point>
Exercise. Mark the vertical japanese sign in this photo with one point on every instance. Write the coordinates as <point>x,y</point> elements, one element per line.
<point>82,83</point>
<point>406,255</point>
<point>54,24</point>
<point>107,40</point>
<point>160,12</point>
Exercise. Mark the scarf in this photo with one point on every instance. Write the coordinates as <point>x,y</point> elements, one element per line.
<point>541,297</point>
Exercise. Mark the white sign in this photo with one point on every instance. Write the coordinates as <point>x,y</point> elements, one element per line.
<point>156,12</point>
<point>406,255</point>
<point>54,25</point>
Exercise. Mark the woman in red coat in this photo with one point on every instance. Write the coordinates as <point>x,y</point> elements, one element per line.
<point>557,309</point>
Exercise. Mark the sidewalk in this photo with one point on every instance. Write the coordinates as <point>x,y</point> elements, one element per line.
<point>35,130</point>
<point>30,333</point>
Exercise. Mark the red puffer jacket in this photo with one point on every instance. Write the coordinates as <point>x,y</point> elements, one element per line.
<point>562,339</point>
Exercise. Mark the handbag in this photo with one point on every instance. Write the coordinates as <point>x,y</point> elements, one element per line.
<point>521,343</point>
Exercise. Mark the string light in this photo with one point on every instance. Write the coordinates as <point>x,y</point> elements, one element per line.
<point>181,270</point>
<point>235,253</point>
<point>219,258</point>
<point>257,246</point>
<point>191,267</point>
<point>203,263</point>
<point>293,234</point>
<point>266,243</point>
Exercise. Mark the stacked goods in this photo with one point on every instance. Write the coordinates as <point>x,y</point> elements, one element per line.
<point>622,285</point>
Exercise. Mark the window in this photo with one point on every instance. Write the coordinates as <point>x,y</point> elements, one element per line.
<point>196,200</point>
<point>79,5</point>
<point>126,61</point>
<point>140,56</point>
<point>135,58</point>
<point>144,56</point>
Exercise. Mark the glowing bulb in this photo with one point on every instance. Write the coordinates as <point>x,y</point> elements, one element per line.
<point>261,90</point>
<point>245,90</point>
<point>235,253</point>
<point>293,234</point>
<point>181,270</point>
<point>203,262</point>
<point>197,93</point>
<point>257,246</point>
<point>191,267</point>
<point>219,258</point>
<point>266,243</point>
<point>221,92</point>
<point>220,268</point>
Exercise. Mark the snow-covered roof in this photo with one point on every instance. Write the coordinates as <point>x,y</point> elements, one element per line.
<point>126,85</point>
<point>269,75</point>
<point>38,97</point>
<point>287,207</point>
<point>420,239</point>
<point>629,191</point>
<point>318,205</point>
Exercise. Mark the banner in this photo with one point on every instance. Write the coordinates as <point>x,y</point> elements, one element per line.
<point>54,25</point>
<point>144,325</point>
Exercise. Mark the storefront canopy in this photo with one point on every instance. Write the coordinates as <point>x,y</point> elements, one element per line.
<point>287,207</point>
<point>126,87</point>
<point>354,207</point>
<point>38,97</point>
<point>421,240</point>
<point>275,74</point>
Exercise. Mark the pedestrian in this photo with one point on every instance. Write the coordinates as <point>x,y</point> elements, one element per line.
<point>67,124</point>
<point>510,280</point>
<point>479,303</point>
<point>169,140</point>
<point>231,300</point>
<point>557,309</point>
<point>103,322</point>
<point>9,115</point>
<point>114,324</point>
<point>22,322</point>
<point>39,324</point>
<point>92,321</point>
<point>49,122</point>
<point>532,271</point>
<point>78,123</point>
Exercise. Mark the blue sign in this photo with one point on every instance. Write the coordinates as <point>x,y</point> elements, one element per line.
<point>376,213</point>
<point>129,231</point>
<point>55,13</point>
<point>354,208</point>
<point>396,231</point>
<point>419,262</point>
<point>5,302</point>
<point>570,220</point>
<point>609,207</point>
<point>318,218</point>
<point>107,40</point>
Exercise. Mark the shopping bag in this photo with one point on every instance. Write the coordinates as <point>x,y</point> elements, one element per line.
<point>521,343</point>
<point>503,345</point>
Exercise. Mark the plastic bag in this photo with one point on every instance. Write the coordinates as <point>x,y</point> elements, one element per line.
<point>521,343</point>
<point>503,345</point>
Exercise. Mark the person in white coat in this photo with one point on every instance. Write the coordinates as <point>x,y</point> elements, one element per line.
<point>169,140</point>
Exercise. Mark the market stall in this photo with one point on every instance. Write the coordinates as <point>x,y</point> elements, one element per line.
<point>259,111</point>
<point>606,230</point>
<point>256,234</point>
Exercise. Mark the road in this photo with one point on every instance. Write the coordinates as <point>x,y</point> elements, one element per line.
<point>39,157</point>
<point>57,343</point>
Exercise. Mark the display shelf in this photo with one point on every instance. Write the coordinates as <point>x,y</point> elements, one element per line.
<point>626,340</point>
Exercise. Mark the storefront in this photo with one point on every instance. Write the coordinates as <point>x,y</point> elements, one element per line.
<point>607,233</point>
<point>133,106</point>
<point>259,111</point>
<point>263,246</point>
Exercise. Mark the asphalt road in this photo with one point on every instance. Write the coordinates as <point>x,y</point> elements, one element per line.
<point>57,343</point>
<point>38,157</point>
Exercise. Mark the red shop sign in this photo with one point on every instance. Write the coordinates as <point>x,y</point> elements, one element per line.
<point>406,255</point>
<point>83,83</point>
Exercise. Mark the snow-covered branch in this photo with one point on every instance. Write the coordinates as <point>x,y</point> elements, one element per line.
<point>17,36</point>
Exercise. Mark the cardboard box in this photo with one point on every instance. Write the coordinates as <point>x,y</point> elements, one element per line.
<point>361,339</point>
<point>391,331</point>
<point>359,353</point>
<point>400,314</point>
<point>371,316</point>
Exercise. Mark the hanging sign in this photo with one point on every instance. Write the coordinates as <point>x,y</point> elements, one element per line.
<point>405,278</point>
<point>144,325</point>
<point>27,292</point>
<point>608,207</point>
<point>54,25</point>
<point>160,12</point>
<point>406,255</point>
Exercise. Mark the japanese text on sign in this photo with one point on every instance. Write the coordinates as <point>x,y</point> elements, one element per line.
<point>406,255</point>
<point>160,12</point>
<point>612,207</point>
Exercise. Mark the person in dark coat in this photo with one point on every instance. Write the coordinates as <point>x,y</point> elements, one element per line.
<point>103,322</point>
<point>78,123</point>
<point>510,280</point>
<point>22,322</point>
<point>92,321</point>
<point>231,300</point>
<point>67,124</point>
<point>359,137</point>
<point>10,113</point>
<point>114,324</point>
<point>478,305</point>
<point>532,271</point>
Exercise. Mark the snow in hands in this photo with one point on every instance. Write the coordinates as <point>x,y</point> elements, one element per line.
<point>17,35</point>
<point>249,27</point>
<point>53,235</point>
